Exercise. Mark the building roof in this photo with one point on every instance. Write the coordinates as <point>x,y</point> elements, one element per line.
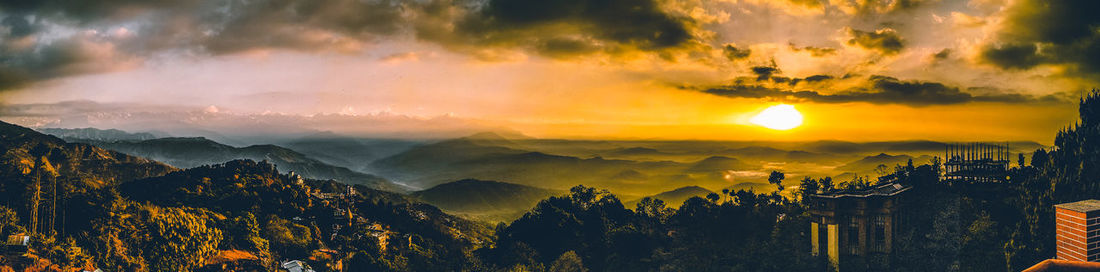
<point>1084,206</point>
<point>1051,265</point>
<point>888,189</point>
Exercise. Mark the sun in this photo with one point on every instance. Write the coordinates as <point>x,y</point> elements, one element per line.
<point>778,117</point>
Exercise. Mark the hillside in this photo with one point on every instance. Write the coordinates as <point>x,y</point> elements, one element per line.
<point>197,151</point>
<point>675,198</point>
<point>869,163</point>
<point>433,164</point>
<point>315,213</point>
<point>353,153</point>
<point>107,135</point>
<point>94,166</point>
<point>471,196</point>
<point>718,164</point>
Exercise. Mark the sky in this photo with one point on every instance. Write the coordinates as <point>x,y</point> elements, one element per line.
<point>857,70</point>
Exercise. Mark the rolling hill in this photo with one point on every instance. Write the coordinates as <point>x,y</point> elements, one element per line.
<point>675,198</point>
<point>471,196</point>
<point>198,151</point>
<point>869,163</point>
<point>106,135</point>
<point>24,148</point>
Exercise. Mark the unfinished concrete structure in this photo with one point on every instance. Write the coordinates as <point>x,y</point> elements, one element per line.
<point>976,162</point>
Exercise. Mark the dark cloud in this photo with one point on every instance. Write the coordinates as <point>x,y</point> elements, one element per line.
<point>303,24</point>
<point>814,51</point>
<point>17,26</point>
<point>22,64</point>
<point>1049,32</point>
<point>734,53</point>
<point>818,78</point>
<point>875,89</point>
<point>32,49</point>
<point>559,29</point>
<point>942,55</point>
<point>884,40</point>
<point>764,72</point>
<point>1013,56</point>
<point>873,7</point>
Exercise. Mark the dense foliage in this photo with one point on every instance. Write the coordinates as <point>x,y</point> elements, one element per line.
<point>188,220</point>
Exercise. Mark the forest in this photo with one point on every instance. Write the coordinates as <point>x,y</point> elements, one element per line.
<point>87,208</point>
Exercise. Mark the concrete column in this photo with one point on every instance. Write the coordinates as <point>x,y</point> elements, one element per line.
<point>814,239</point>
<point>834,246</point>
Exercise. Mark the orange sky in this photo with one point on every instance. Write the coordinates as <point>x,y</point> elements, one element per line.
<point>938,70</point>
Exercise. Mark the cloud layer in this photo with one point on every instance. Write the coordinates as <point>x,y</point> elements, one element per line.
<point>874,89</point>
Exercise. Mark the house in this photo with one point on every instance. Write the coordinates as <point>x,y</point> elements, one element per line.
<point>855,222</point>
<point>1077,230</point>
<point>17,242</point>
<point>296,266</point>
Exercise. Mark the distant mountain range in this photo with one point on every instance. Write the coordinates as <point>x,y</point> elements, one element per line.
<point>482,197</point>
<point>674,198</point>
<point>106,135</point>
<point>197,151</point>
<point>353,153</point>
<point>432,164</point>
<point>869,163</point>
<point>24,148</point>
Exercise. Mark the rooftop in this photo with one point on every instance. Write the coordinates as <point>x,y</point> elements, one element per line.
<point>888,189</point>
<point>1084,206</point>
<point>1062,265</point>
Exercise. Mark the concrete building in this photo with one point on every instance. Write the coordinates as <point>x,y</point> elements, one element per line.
<point>855,222</point>
<point>1077,230</point>
<point>976,163</point>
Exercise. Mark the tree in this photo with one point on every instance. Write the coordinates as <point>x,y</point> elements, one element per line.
<point>1039,158</point>
<point>568,262</point>
<point>807,187</point>
<point>882,170</point>
<point>652,207</point>
<point>776,178</point>
<point>8,220</point>
<point>1021,161</point>
<point>178,240</point>
<point>826,184</point>
<point>712,197</point>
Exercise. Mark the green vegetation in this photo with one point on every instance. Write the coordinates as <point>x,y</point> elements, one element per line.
<point>87,207</point>
<point>198,151</point>
<point>491,201</point>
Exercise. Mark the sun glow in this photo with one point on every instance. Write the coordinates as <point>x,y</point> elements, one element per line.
<point>778,117</point>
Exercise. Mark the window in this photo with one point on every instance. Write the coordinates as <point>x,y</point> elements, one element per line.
<point>853,235</point>
<point>880,233</point>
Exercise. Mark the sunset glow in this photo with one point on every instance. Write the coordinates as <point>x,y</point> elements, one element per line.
<point>778,117</point>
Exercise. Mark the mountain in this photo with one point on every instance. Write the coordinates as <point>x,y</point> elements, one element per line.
<point>197,151</point>
<point>483,197</point>
<point>432,164</point>
<point>106,135</point>
<point>675,198</point>
<point>350,152</point>
<point>718,164</point>
<point>303,218</point>
<point>869,163</point>
<point>635,151</point>
<point>24,148</point>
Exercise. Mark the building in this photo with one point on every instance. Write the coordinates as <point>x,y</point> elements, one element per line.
<point>296,266</point>
<point>1077,230</point>
<point>976,162</point>
<point>855,222</point>
<point>1054,265</point>
<point>18,242</point>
